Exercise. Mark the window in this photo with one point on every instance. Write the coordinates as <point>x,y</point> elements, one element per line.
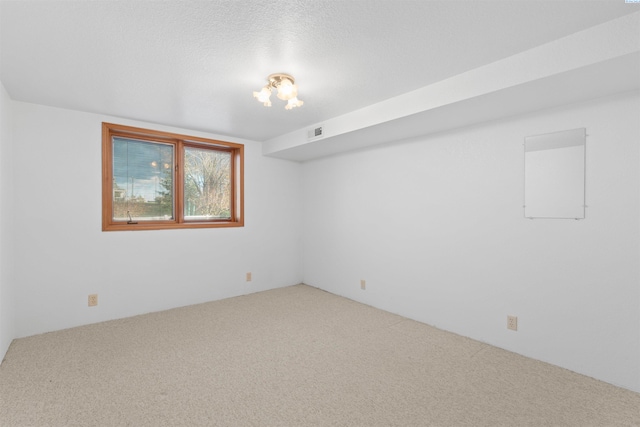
<point>155,180</point>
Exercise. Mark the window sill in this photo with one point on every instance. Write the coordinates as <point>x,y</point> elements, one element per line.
<point>164,226</point>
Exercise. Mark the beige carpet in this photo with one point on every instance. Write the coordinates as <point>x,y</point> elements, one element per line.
<point>295,356</point>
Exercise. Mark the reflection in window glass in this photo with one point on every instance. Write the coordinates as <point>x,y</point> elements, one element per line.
<point>142,180</point>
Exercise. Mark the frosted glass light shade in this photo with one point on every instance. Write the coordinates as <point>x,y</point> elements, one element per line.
<point>263,96</point>
<point>293,102</point>
<point>287,90</point>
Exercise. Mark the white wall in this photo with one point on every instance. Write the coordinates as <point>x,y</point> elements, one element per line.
<point>7,326</point>
<point>61,255</point>
<point>435,226</point>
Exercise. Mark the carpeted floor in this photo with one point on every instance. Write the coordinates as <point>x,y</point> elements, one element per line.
<point>294,356</point>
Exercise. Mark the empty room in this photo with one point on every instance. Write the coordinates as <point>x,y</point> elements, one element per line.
<point>319,212</point>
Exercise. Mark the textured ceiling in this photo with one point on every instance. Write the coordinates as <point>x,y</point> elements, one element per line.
<point>195,64</point>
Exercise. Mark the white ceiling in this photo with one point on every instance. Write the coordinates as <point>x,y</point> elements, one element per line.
<point>195,64</point>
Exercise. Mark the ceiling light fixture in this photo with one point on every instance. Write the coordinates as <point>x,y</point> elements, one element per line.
<point>286,87</point>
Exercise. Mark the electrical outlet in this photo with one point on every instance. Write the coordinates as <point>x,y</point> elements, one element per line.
<point>248,277</point>
<point>93,300</point>
<point>363,284</point>
<point>512,323</point>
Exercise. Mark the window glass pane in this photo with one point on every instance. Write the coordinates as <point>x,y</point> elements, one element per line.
<point>207,184</point>
<point>142,180</point>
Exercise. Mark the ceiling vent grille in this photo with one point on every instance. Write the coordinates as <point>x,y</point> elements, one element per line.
<point>315,133</point>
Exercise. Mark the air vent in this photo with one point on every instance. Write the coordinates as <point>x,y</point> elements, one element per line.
<point>314,133</point>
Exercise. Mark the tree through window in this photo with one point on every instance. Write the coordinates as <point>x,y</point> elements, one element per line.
<point>207,181</point>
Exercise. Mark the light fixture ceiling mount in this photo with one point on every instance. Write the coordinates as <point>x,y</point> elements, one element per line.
<point>286,87</point>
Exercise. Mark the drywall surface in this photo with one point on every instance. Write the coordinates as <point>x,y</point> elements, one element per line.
<point>7,327</point>
<point>603,60</point>
<point>435,226</point>
<point>62,256</point>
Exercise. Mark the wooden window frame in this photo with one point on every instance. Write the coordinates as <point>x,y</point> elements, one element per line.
<point>109,130</point>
